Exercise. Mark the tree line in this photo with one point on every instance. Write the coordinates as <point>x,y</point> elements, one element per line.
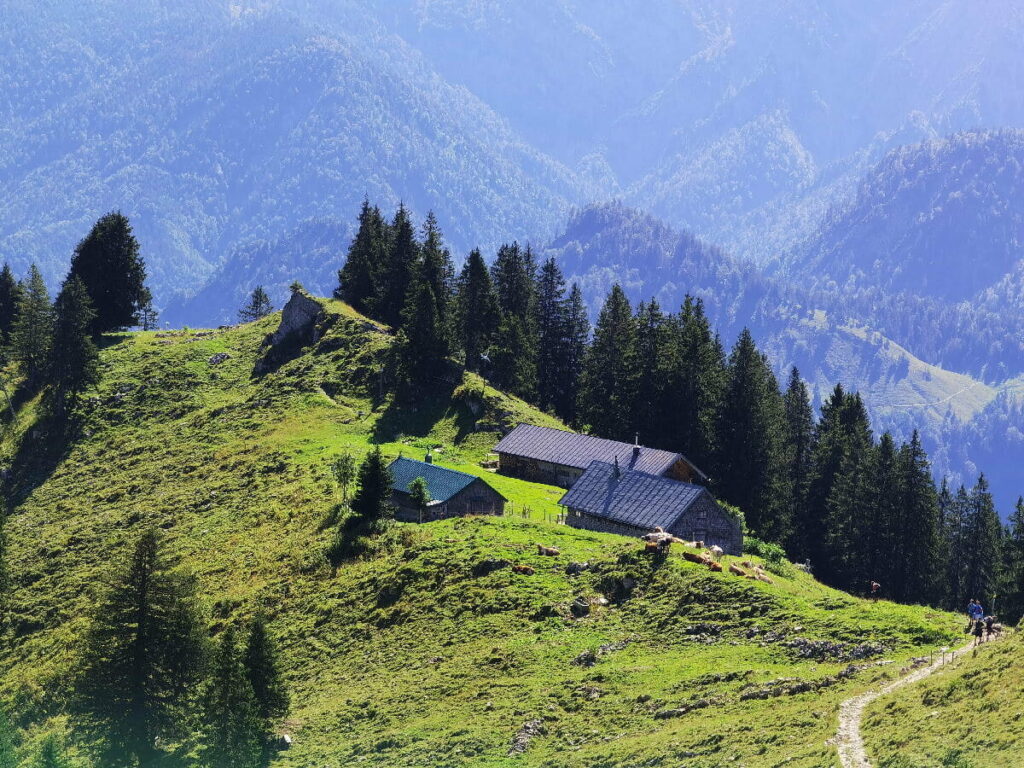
<point>54,342</point>
<point>150,684</point>
<point>860,508</point>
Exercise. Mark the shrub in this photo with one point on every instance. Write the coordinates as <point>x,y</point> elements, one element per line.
<point>772,553</point>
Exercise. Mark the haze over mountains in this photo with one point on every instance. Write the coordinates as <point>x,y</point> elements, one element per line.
<point>798,165</point>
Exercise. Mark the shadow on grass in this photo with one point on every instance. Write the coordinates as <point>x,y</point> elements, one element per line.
<point>414,413</point>
<point>41,449</point>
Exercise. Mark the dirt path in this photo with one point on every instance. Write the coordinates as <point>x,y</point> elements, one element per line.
<point>848,739</point>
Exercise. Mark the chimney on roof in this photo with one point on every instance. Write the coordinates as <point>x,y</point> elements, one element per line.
<point>615,470</point>
<point>636,447</point>
<point>429,458</point>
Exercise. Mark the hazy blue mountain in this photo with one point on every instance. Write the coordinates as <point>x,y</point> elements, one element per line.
<point>212,128</point>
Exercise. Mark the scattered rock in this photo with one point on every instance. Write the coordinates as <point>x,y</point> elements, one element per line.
<point>219,358</point>
<point>528,731</point>
<point>490,565</point>
<point>579,608</point>
<point>689,706</point>
<point>575,569</point>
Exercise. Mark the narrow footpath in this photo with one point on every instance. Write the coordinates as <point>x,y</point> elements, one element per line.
<point>848,739</point>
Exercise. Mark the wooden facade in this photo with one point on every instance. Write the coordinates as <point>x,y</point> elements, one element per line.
<point>477,498</point>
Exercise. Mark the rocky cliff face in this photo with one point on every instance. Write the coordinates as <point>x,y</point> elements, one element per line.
<point>300,321</point>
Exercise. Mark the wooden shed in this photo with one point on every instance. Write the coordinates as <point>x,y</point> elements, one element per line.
<point>452,493</point>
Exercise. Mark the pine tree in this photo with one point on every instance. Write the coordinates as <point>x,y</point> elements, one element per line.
<point>359,280</point>
<point>609,371</point>
<point>400,269</point>
<point>477,312</point>
<point>983,533</point>
<point>419,495</point>
<point>262,667</point>
<point>258,306</point>
<point>799,437</point>
<point>437,271</point>
<point>371,507</point>
<point>514,278</point>
<point>650,393</point>
<point>514,353</point>
<point>695,371</point>
<point>830,434</point>
<point>422,343</point>
<point>10,298</point>
<point>8,756</point>
<point>850,521</point>
<point>880,547</point>
<point>918,571</point>
<point>110,265</point>
<point>513,358</point>
<point>32,333</point>
<point>50,754</point>
<point>143,654</point>
<point>553,361</point>
<point>233,734</point>
<point>74,360</point>
<point>751,473</point>
<point>577,342</point>
<point>1012,602</point>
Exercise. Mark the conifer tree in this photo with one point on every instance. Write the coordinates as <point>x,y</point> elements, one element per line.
<point>514,352</point>
<point>110,265</point>
<point>650,393</point>
<point>258,306</point>
<point>798,441</point>
<point>514,278</point>
<point>8,756</point>
<point>437,271</point>
<point>751,473</point>
<point>232,733</point>
<point>983,533</point>
<point>609,371</point>
<point>143,654</point>
<point>553,363</point>
<point>371,507</point>
<point>1012,600</point>
<point>422,343</point>
<point>400,269</point>
<point>50,754</point>
<point>830,436</point>
<point>360,278</point>
<point>695,371</point>
<point>851,521</point>
<point>74,359</point>
<point>262,668</point>
<point>10,298</point>
<point>880,546</point>
<point>577,342</point>
<point>477,311</point>
<point>918,575</point>
<point>513,358</point>
<point>32,333</point>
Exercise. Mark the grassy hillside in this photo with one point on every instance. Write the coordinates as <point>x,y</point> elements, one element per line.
<point>970,715</point>
<point>433,652</point>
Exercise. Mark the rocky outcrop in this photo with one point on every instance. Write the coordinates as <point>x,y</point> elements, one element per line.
<point>300,323</point>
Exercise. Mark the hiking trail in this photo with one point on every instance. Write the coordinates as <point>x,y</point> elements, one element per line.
<point>848,740</point>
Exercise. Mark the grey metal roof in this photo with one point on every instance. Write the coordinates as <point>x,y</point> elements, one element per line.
<point>442,483</point>
<point>634,498</point>
<point>570,449</point>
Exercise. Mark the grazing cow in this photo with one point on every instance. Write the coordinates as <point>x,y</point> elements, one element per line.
<point>549,551</point>
<point>735,569</point>
<point>524,569</point>
<point>761,576</point>
<point>694,557</point>
<point>717,551</point>
<point>747,564</point>
<point>716,567</point>
<point>652,547</point>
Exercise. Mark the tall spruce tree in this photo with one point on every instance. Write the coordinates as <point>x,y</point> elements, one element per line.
<point>918,571</point>
<point>400,269</point>
<point>360,278</point>
<point>422,343</point>
<point>880,546</point>
<point>437,271</point>
<point>478,315</point>
<point>110,265</point>
<point>514,278</point>
<point>799,437</point>
<point>553,360</point>
<point>809,537</point>
<point>983,532</point>
<point>143,655</point>
<point>751,471</point>
<point>32,333</point>
<point>650,392</point>
<point>232,730</point>
<point>74,363</point>
<point>263,669</point>
<point>50,754</point>
<point>10,298</point>
<point>256,307</point>
<point>514,353</point>
<point>1011,606</point>
<point>371,508</point>
<point>609,371</point>
<point>695,382</point>
<point>577,341</point>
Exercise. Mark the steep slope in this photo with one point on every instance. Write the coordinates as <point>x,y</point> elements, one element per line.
<point>431,652</point>
<point>211,126</point>
<point>968,715</point>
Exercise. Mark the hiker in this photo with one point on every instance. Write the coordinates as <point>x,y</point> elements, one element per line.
<point>979,627</point>
<point>875,589</point>
<point>974,610</point>
<point>990,623</point>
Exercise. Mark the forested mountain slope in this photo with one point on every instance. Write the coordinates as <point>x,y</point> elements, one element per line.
<point>431,651</point>
<point>212,126</point>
